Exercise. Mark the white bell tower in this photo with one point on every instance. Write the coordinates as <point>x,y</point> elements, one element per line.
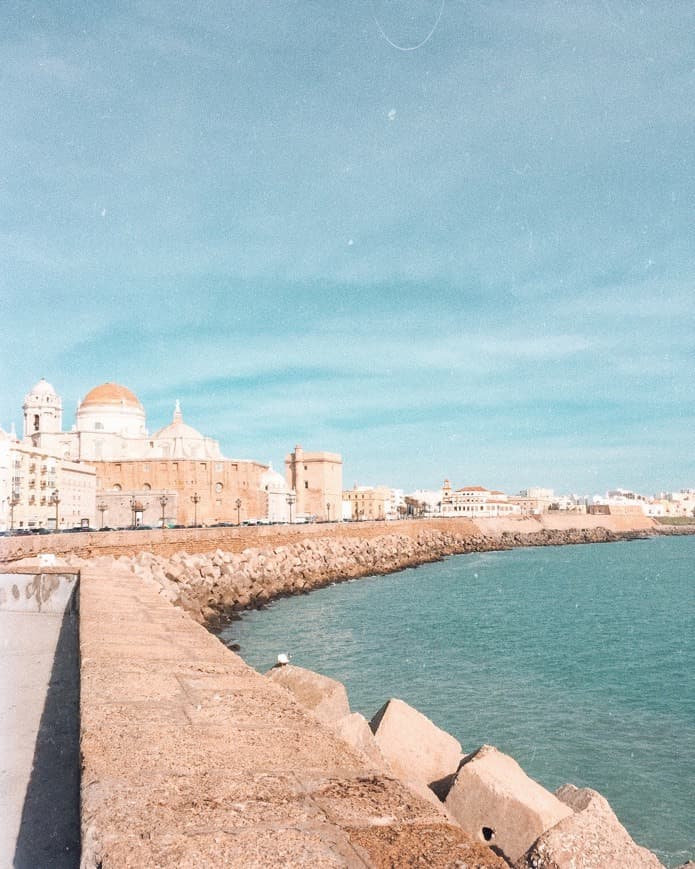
<point>43,410</point>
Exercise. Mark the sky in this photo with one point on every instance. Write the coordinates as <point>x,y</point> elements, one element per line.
<point>444,238</point>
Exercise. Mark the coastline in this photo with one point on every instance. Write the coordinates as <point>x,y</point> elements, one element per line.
<point>216,585</point>
<point>128,594</point>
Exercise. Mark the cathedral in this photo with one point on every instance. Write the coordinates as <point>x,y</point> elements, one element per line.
<point>176,476</point>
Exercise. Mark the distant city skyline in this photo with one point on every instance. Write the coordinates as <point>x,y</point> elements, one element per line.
<point>471,260</point>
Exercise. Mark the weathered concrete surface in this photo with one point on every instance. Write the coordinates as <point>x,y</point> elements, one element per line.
<point>591,837</point>
<point>39,695</point>
<point>494,800</point>
<point>416,749</point>
<point>325,697</point>
<point>191,758</point>
<point>355,730</point>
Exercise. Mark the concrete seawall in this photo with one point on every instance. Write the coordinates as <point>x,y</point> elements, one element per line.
<point>191,758</point>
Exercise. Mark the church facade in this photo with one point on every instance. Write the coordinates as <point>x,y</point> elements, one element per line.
<point>176,475</point>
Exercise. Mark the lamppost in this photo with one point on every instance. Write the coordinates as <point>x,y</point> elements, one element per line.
<point>291,499</point>
<point>55,499</point>
<point>328,510</point>
<point>14,500</point>
<point>133,505</point>
<point>163,500</point>
<point>238,511</point>
<point>195,497</point>
<point>102,507</point>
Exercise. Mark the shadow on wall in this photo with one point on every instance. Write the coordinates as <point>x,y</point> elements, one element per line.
<point>49,835</point>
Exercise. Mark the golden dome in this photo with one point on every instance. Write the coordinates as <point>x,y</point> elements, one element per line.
<point>110,393</point>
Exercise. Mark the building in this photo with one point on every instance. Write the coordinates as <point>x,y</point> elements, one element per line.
<point>110,425</point>
<point>40,490</point>
<point>176,475</point>
<point>429,501</point>
<point>317,481</point>
<point>477,502</point>
<point>367,502</point>
<point>534,500</point>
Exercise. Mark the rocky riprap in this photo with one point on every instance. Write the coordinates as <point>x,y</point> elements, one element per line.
<point>214,586</point>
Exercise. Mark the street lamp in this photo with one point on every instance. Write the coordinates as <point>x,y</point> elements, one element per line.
<point>196,500</point>
<point>238,511</point>
<point>163,500</point>
<point>14,500</point>
<point>55,499</point>
<point>102,507</point>
<point>291,499</point>
<point>133,506</point>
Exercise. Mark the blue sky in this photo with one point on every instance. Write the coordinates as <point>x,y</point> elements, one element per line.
<point>471,260</point>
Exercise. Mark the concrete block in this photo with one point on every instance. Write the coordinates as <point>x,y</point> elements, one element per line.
<point>494,800</point>
<point>592,836</point>
<point>355,730</point>
<point>415,748</point>
<point>325,697</point>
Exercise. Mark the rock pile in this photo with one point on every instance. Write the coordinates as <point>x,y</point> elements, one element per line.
<point>486,792</point>
<point>215,585</point>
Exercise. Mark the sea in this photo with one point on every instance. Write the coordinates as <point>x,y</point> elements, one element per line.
<point>579,661</point>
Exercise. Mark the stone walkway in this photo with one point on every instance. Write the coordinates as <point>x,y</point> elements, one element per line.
<point>191,758</point>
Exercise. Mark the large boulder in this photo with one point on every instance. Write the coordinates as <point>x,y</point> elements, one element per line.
<point>415,748</point>
<point>592,836</point>
<point>325,697</point>
<point>494,800</point>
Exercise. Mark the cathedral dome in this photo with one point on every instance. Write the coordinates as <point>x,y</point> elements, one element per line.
<point>111,408</point>
<point>181,441</point>
<point>110,394</point>
<point>272,481</point>
<point>178,429</point>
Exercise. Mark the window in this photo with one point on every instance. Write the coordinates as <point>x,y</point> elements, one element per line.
<point>147,487</point>
<point>219,487</point>
<point>218,466</point>
<point>36,422</point>
<point>306,484</point>
<point>98,426</point>
<point>146,466</point>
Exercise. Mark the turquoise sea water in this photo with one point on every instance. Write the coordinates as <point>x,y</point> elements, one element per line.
<point>578,660</point>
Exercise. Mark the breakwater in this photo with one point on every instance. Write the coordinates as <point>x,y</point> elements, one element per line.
<point>190,758</point>
<point>213,586</point>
